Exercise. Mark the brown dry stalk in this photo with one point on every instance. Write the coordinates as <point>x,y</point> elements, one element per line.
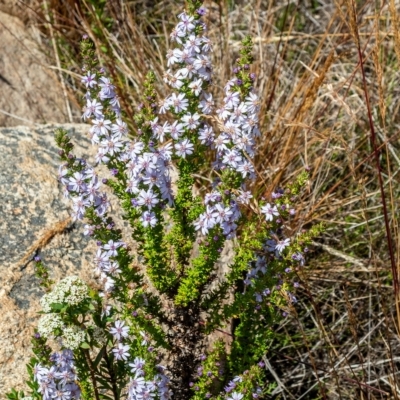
<point>307,103</point>
<point>56,229</point>
<point>396,27</point>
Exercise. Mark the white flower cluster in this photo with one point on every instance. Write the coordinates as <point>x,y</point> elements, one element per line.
<point>73,337</point>
<point>190,78</point>
<point>48,323</point>
<point>59,381</point>
<point>71,290</point>
<point>84,189</point>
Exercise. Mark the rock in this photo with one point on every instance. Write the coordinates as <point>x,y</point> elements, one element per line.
<point>34,220</point>
<point>30,90</point>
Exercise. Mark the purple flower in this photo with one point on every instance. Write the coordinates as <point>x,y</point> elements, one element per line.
<point>184,148</point>
<point>89,80</point>
<point>112,247</point>
<point>149,219</point>
<point>148,199</point>
<point>121,352</point>
<point>269,211</point>
<point>282,244</point>
<point>119,330</point>
<point>137,366</point>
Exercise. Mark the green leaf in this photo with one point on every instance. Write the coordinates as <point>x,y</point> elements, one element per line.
<point>98,358</point>
<point>104,383</point>
<point>57,306</point>
<point>85,345</point>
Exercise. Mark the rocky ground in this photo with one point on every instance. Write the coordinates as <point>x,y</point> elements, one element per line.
<point>30,89</point>
<point>34,221</point>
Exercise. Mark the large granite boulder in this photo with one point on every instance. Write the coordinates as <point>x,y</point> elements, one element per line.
<point>30,87</point>
<point>34,221</point>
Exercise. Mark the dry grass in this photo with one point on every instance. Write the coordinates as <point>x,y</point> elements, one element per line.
<point>319,111</point>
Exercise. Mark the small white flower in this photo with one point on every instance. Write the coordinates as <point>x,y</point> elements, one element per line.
<point>112,247</point>
<point>93,107</point>
<point>269,211</point>
<point>282,244</point>
<point>246,168</point>
<point>207,103</point>
<point>196,86</point>
<point>137,365</point>
<point>120,127</point>
<point>89,80</point>
<point>252,103</point>
<point>148,199</point>
<point>187,23</point>
<point>176,130</point>
<point>184,148</point>
<point>191,121</point>
<point>119,330</point>
<point>235,396</point>
<point>101,126</point>
<point>231,100</point>
<point>149,219</point>
<point>201,224</point>
<point>121,352</point>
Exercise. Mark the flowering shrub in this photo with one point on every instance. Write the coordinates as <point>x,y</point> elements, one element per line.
<point>148,330</point>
